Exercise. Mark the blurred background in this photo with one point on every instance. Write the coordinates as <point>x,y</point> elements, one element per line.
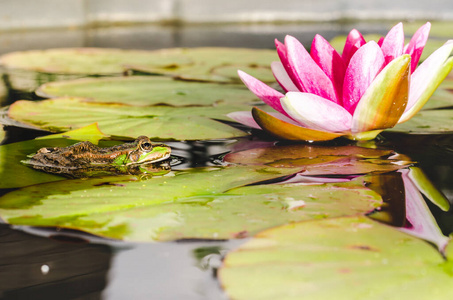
<point>151,24</point>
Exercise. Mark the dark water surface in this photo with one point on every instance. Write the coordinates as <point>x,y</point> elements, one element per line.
<point>48,263</point>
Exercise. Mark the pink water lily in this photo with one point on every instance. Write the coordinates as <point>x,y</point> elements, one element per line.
<point>370,87</point>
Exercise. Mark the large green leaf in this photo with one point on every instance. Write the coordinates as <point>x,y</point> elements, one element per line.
<point>217,64</point>
<point>342,258</point>
<point>90,61</point>
<point>440,99</point>
<point>157,122</point>
<point>321,160</point>
<point>206,64</point>
<point>198,203</point>
<point>148,90</point>
<point>428,122</point>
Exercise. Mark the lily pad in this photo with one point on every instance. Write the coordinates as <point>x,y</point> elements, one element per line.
<point>441,98</point>
<point>217,64</point>
<point>157,122</point>
<point>211,203</point>
<point>147,91</point>
<point>342,258</point>
<point>427,122</point>
<point>319,160</point>
<point>206,64</point>
<point>89,61</point>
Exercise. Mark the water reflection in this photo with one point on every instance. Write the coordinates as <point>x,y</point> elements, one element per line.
<point>34,267</point>
<point>402,186</point>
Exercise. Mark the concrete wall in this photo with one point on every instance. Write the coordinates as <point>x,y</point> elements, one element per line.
<point>25,14</point>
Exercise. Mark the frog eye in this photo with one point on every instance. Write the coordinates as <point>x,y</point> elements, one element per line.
<point>146,146</point>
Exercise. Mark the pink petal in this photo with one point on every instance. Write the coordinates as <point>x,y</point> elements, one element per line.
<point>282,77</point>
<point>393,43</point>
<point>365,65</point>
<point>269,96</point>
<point>244,117</point>
<point>417,44</point>
<point>282,54</point>
<point>354,41</point>
<point>426,78</point>
<point>329,61</point>
<point>315,112</point>
<point>381,40</point>
<point>309,75</point>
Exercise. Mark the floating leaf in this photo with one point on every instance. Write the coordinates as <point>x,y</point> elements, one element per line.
<point>157,122</point>
<point>89,133</point>
<point>147,91</point>
<point>206,64</point>
<point>90,61</point>
<point>217,64</point>
<point>427,122</point>
<point>199,203</point>
<point>342,258</point>
<point>440,99</point>
<point>319,160</point>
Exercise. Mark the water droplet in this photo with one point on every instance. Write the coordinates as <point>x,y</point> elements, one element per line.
<point>45,269</point>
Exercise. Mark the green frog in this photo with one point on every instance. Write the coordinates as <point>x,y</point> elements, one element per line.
<point>84,159</point>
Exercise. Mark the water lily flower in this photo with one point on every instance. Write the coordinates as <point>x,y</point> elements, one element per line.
<point>370,87</point>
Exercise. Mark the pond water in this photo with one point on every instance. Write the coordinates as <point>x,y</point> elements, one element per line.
<point>43,263</point>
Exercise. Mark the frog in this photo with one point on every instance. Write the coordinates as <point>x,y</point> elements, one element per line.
<point>84,158</point>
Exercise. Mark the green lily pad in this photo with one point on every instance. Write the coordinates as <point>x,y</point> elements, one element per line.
<point>217,64</point>
<point>206,64</point>
<point>447,84</point>
<point>209,203</point>
<point>319,160</point>
<point>427,122</point>
<point>342,258</point>
<point>157,122</point>
<point>440,99</point>
<point>90,61</point>
<point>147,91</point>
<point>12,154</point>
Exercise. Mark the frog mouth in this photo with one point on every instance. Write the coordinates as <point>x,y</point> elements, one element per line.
<point>150,160</point>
